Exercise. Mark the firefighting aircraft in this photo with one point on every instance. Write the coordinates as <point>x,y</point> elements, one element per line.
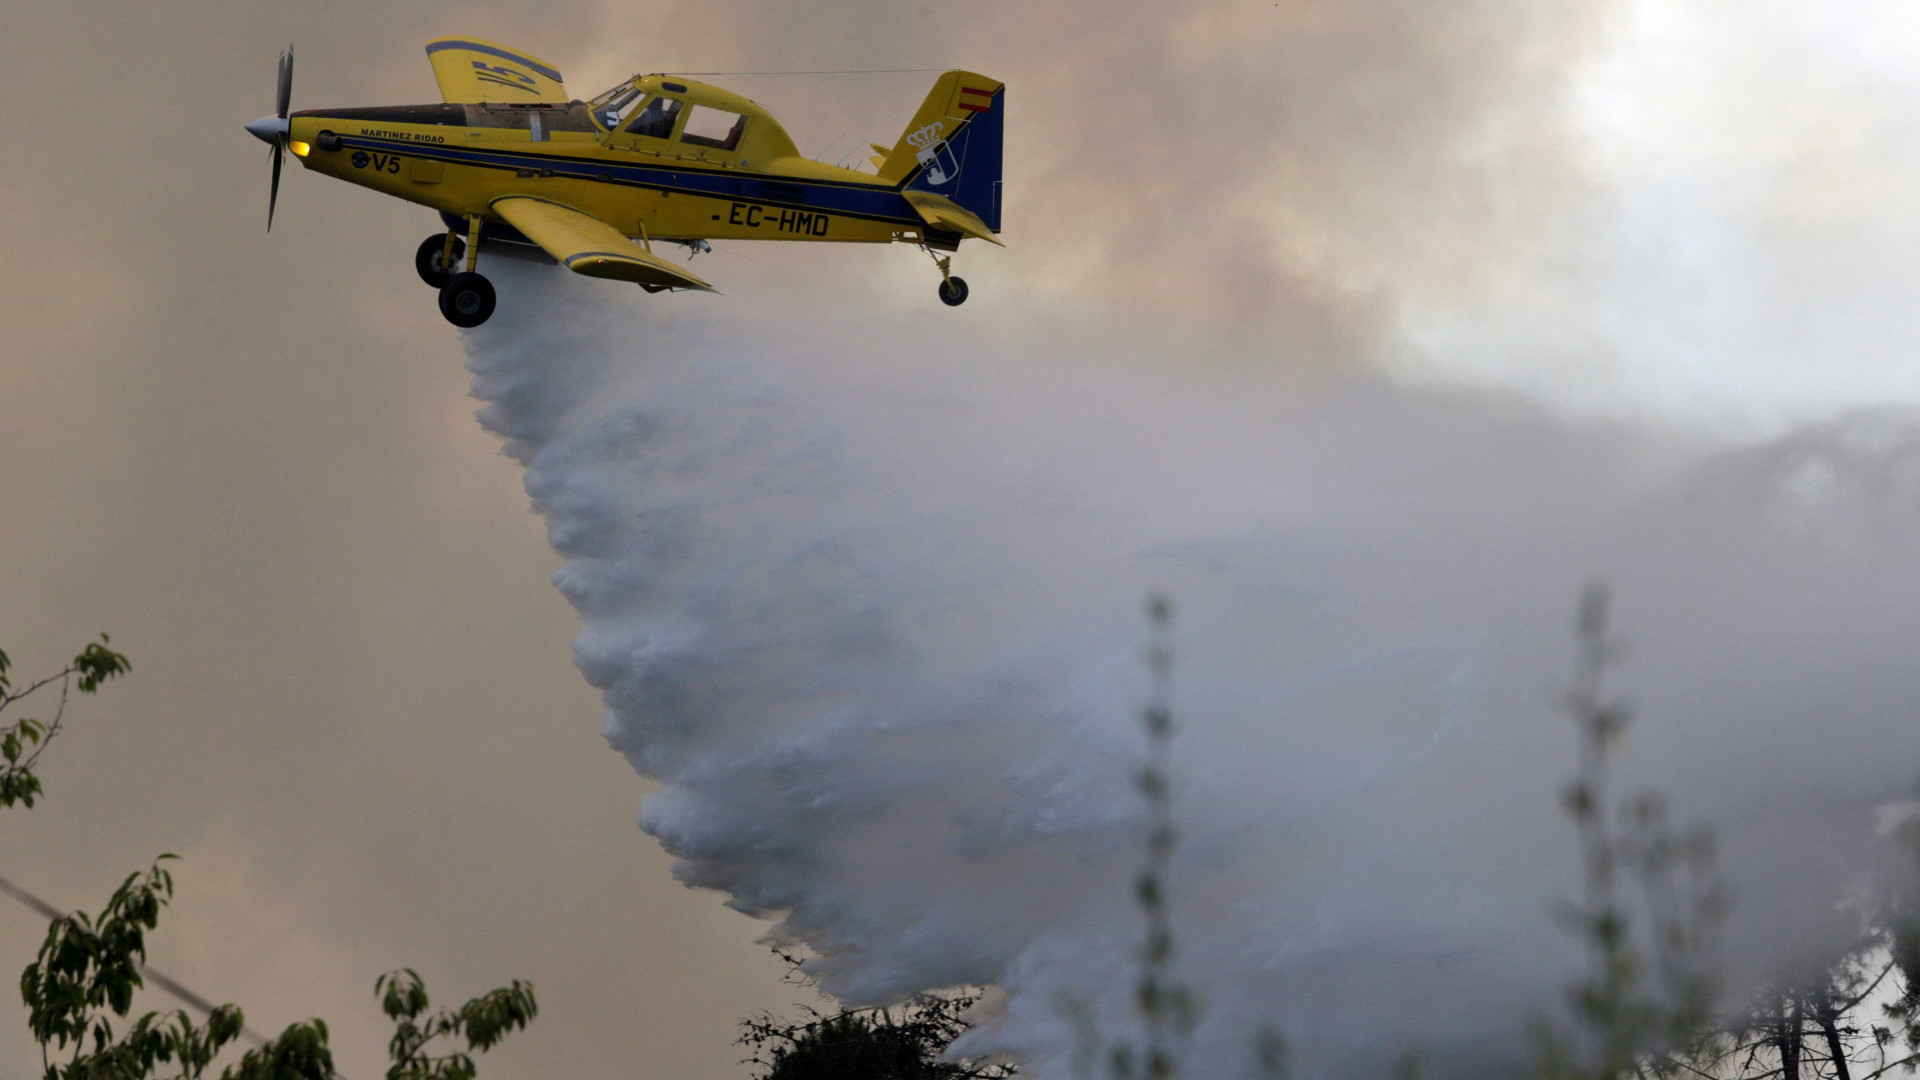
<point>518,168</point>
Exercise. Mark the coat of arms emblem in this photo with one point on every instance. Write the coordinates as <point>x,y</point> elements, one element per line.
<point>934,154</point>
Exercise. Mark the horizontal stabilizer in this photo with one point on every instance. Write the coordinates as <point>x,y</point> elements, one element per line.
<point>943,213</point>
<point>586,245</point>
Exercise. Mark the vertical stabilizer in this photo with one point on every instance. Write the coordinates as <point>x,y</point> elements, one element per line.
<point>953,145</point>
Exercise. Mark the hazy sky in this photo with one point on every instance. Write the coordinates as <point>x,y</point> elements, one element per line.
<point>252,457</point>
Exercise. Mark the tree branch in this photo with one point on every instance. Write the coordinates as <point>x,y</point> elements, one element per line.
<point>1868,992</point>
<point>9,698</point>
<point>1910,1060</point>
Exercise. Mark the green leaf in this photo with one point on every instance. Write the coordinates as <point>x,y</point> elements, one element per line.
<point>298,1053</point>
<point>97,663</point>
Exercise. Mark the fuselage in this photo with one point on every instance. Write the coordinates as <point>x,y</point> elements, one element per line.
<point>458,159</point>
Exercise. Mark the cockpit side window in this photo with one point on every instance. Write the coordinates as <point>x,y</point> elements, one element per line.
<point>707,126</point>
<point>656,120</point>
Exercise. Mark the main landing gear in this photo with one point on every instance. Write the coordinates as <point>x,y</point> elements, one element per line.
<point>438,260</point>
<point>953,290</point>
<point>466,298</point>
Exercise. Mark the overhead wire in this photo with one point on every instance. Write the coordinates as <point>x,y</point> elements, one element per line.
<point>829,146</point>
<point>848,71</point>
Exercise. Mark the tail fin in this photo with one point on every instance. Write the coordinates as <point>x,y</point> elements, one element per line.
<point>953,145</point>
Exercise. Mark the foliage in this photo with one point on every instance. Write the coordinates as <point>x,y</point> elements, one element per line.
<point>87,965</point>
<point>1167,1007</point>
<point>79,989</point>
<point>88,969</point>
<point>28,736</point>
<point>1649,992</point>
<point>299,1053</point>
<point>481,1023</point>
<point>1796,1031</point>
<point>1822,1028</point>
<point>1903,949</point>
<point>901,1043</point>
<point>84,979</point>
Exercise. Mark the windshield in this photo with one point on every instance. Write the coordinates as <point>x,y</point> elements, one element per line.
<point>612,107</point>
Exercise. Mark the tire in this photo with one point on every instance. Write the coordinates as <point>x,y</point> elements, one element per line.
<point>953,291</point>
<point>467,300</point>
<point>427,260</point>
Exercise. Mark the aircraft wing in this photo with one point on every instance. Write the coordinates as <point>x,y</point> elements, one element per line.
<point>586,245</point>
<point>943,213</point>
<point>472,71</point>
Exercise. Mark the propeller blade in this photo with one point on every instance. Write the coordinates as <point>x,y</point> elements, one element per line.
<point>273,193</point>
<point>285,94</point>
<point>282,98</point>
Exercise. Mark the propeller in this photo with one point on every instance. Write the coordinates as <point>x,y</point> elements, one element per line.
<point>272,130</point>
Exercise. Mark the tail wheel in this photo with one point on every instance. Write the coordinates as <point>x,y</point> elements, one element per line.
<point>953,291</point>
<point>428,259</point>
<point>466,300</point>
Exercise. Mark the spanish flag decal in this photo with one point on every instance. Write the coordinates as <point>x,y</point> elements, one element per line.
<point>975,100</point>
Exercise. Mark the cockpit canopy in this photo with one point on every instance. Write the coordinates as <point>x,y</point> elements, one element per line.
<point>676,110</point>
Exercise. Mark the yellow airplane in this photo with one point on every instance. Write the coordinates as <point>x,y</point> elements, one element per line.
<point>518,168</point>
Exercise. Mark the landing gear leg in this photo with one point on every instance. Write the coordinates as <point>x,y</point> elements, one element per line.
<point>953,290</point>
<point>467,299</point>
<point>473,242</point>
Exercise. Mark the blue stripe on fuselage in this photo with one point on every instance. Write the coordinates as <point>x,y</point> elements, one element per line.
<point>877,204</point>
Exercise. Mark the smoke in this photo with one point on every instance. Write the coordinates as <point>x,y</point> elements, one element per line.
<point>871,617</point>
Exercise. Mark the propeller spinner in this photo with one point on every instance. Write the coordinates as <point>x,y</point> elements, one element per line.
<point>272,130</point>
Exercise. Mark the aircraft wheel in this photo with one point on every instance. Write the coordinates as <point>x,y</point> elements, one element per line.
<point>427,259</point>
<point>466,300</point>
<point>953,291</point>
